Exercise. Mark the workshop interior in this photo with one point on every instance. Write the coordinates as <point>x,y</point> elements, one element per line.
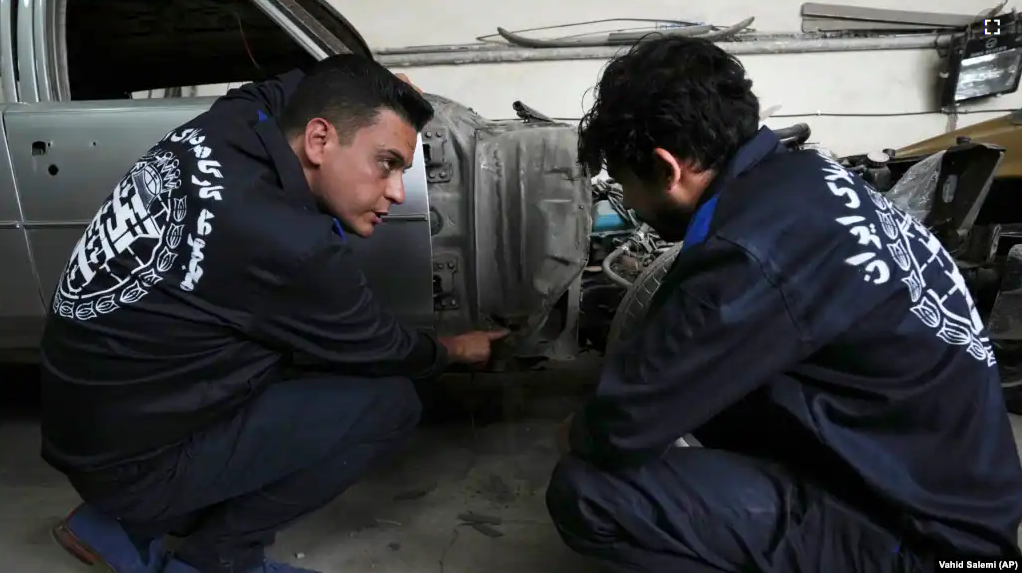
<point>501,229</point>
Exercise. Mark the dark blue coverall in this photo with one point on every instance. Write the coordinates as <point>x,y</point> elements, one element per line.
<point>204,366</point>
<point>823,348</point>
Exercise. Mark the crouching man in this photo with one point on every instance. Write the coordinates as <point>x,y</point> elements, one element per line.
<point>215,366</point>
<point>818,342</point>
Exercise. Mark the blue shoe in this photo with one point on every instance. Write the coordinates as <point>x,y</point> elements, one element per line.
<point>176,566</point>
<point>96,539</point>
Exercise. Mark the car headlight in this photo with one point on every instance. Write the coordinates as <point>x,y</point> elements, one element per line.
<point>985,61</point>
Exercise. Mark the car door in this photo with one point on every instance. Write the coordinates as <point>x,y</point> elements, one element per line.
<point>20,305</point>
<point>86,120</point>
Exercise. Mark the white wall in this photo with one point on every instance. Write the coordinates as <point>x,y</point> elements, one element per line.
<point>889,82</point>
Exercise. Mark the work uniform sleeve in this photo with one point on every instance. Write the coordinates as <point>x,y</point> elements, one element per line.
<point>723,331</point>
<point>268,97</point>
<point>327,317</point>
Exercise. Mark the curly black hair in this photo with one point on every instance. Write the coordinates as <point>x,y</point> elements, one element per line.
<point>685,95</point>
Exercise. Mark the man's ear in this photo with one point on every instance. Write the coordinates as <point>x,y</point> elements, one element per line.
<point>684,180</point>
<point>672,170</point>
<point>317,134</point>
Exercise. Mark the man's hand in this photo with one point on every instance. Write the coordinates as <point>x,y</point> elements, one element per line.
<point>563,436</point>
<point>472,347</point>
<point>405,79</point>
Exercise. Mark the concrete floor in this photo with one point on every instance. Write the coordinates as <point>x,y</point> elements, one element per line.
<point>403,520</point>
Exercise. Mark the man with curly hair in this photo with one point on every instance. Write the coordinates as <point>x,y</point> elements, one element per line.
<point>802,336</point>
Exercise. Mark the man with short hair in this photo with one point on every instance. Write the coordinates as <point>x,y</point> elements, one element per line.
<point>232,373</point>
<point>818,342</point>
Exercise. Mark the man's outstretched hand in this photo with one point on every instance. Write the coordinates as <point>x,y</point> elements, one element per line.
<point>472,347</point>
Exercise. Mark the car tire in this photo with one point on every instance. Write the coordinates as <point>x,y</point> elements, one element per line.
<point>633,306</point>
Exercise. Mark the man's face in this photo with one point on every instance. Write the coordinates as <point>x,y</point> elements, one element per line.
<point>666,202</point>
<point>358,179</point>
<point>652,204</point>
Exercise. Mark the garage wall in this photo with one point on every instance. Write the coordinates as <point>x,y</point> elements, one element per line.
<point>852,100</point>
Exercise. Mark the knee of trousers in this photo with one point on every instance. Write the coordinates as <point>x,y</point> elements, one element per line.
<point>402,402</point>
<point>571,501</point>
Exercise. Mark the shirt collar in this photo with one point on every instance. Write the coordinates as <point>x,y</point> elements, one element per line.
<point>285,163</point>
<point>288,168</point>
<point>762,145</point>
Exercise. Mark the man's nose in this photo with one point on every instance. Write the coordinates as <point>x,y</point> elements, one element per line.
<point>396,190</point>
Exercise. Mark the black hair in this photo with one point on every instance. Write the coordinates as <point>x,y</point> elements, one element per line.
<point>349,91</point>
<point>685,95</point>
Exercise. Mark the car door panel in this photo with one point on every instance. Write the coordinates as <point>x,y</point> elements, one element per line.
<point>67,157</point>
<point>10,213</point>
<point>20,327</point>
<point>20,304</point>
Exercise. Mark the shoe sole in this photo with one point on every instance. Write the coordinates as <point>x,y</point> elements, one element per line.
<point>78,548</point>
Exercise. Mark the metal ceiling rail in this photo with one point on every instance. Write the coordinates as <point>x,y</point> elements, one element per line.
<point>777,46</point>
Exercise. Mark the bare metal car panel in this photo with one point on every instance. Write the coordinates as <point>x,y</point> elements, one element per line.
<point>511,217</point>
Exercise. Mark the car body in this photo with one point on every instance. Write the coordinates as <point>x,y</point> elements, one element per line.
<point>1003,131</point>
<point>494,230</point>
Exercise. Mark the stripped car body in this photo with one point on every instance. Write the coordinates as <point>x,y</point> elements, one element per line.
<point>494,230</point>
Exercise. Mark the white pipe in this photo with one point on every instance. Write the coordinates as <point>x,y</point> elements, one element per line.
<point>780,46</point>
